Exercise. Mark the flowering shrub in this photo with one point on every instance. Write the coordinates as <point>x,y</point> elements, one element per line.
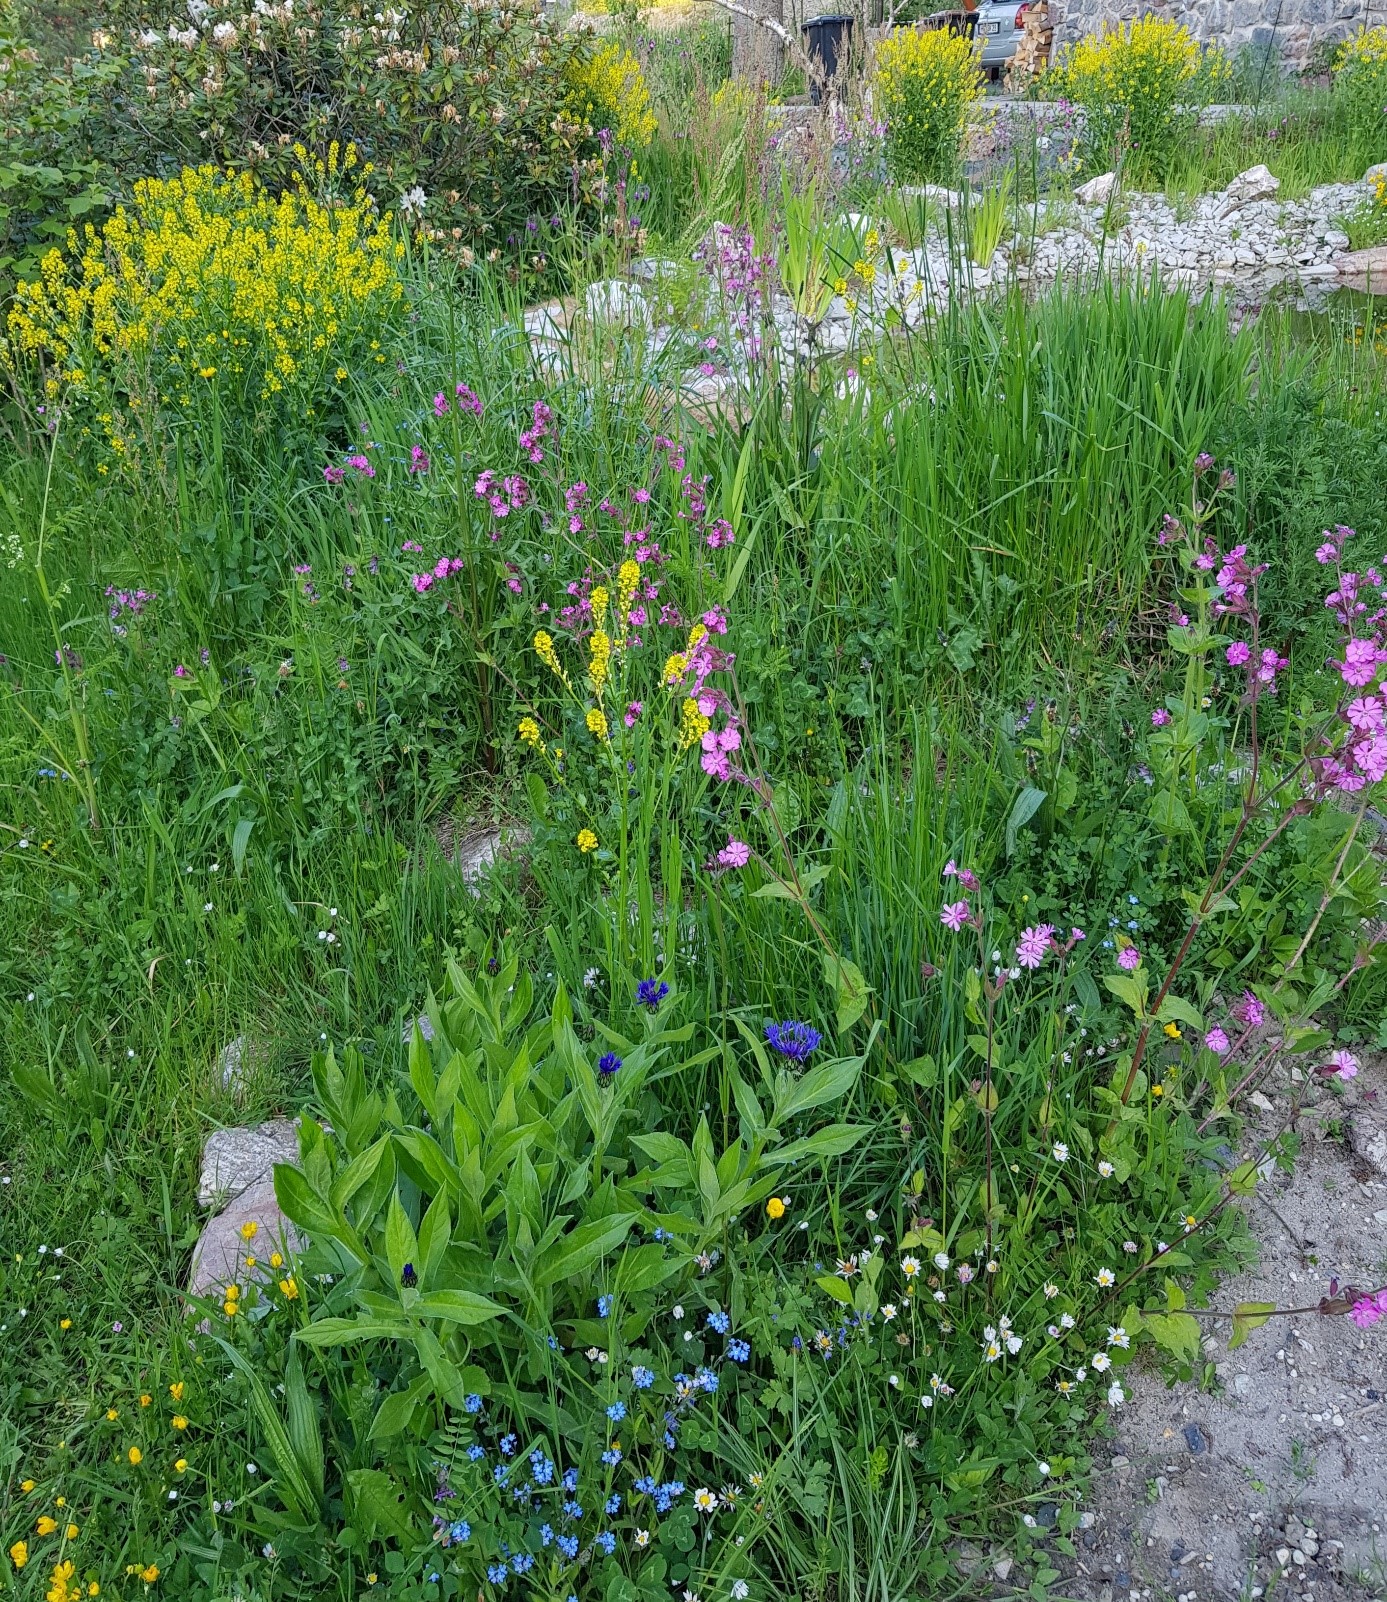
<point>1141,86</point>
<point>462,107</point>
<point>607,91</point>
<point>926,83</point>
<point>211,296</point>
<point>1360,78</point>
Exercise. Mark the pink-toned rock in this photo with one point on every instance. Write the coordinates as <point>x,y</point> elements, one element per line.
<point>220,1255</point>
<point>1364,270</point>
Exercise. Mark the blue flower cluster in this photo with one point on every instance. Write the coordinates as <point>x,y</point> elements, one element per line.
<point>650,993</point>
<point>796,1041</point>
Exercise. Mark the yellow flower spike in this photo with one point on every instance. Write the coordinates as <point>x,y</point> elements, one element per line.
<point>692,725</point>
<point>596,721</point>
<point>529,732</point>
<point>628,581</point>
<point>599,600</point>
<point>599,660</point>
<point>586,841</point>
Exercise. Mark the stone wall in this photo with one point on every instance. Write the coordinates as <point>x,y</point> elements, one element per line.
<point>1290,28</point>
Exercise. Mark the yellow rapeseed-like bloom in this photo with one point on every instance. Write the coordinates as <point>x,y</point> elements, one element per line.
<point>596,721</point>
<point>544,649</point>
<point>599,659</point>
<point>529,731</point>
<point>599,600</point>
<point>608,90</point>
<point>587,841</point>
<point>692,724</point>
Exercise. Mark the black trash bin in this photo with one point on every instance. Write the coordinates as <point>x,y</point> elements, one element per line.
<point>826,40</point>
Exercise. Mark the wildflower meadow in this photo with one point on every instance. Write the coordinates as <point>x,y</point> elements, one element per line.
<point>737,816</point>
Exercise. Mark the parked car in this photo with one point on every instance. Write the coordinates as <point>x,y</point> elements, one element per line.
<point>999,32</point>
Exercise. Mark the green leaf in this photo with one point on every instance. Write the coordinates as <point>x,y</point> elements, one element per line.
<point>1243,1179</point>
<point>458,1307</point>
<point>1176,1333</point>
<point>1129,987</point>
<point>827,1082</point>
<point>1175,1010</point>
<point>573,1254</point>
<point>1169,813</point>
<point>401,1247</point>
<point>378,1506</point>
<point>836,1288</point>
<point>850,989</point>
<point>922,1071</point>
<point>1248,1316</point>
<point>342,1331</point>
<point>830,1141</point>
<point>1024,808</point>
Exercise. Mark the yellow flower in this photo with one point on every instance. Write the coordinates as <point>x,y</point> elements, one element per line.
<point>529,731</point>
<point>179,1422</point>
<point>28,1485</point>
<point>145,1401</point>
<point>64,1323</point>
<point>692,724</point>
<point>276,1261</point>
<point>250,1229</point>
<point>599,657</point>
<point>71,1533</point>
<point>93,1589</point>
<point>289,1289</point>
<point>46,1525</point>
<point>233,1292</point>
<point>180,1466</point>
<point>230,1308</point>
<point>597,722</point>
<point>176,1390</point>
<point>587,841</point>
<point>136,1456</point>
<point>19,1554</point>
<point>544,649</point>
<point>112,1414</point>
<point>775,1208</point>
<point>1158,1090</point>
<point>1173,1030</point>
<point>598,601</point>
<point>150,1574</point>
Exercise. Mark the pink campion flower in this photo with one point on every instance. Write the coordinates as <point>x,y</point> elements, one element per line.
<point>640,496</point>
<point>1359,666</point>
<point>180,672</point>
<point>637,616</point>
<point>1371,757</point>
<point>1034,944</point>
<point>1367,1310</point>
<point>467,400</point>
<point>482,488</point>
<point>735,854</point>
<point>1270,665</point>
<point>1325,554</point>
<point>418,459</point>
<point>422,582</point>
<point>362,465</point>
<point>1128,958</point>
<point>1217,1041</point>
<point>1204,561</point>
<point>1238,653</point>
<point>334,475</point>
<point>1343,1064</point>
<point>715,620</point>
<point>1159,718</point>
<point>575,524</point>
<point>1365,714</point>
<point>720,534</point>
<point>440,405</point>
<point>1249,1011</point>
<point>954,914</point>
<point>632,713</point>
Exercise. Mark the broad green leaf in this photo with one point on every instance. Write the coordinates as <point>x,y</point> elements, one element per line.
<point>1176,1010</point>
<point>1024,808</point>
<point>1176,1333</point>
<point>850,988</point>
<point>1169,813</point>
<point>828,1082</point>
<point>343,1331</point>
<point>378,1505</point>
<point>458,1307</point>
<point>836,1288</point>
<point>1243,1179</point>
<point>1128,987</point>
<point>1248,1316</point>
<point>573,1254</point>
<point>830,1141</point>
<point>401,1247</point>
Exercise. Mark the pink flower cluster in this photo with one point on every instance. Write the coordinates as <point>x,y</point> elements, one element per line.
<point>1357,754</point>
<point>126,604</point>
<point>735,854</point>
<point>466,401</point>
<point>444,568</point>
<point>541,419</point>
<point>1367,1310</point>
<point>1038,942</point>
<point>512,496</point>
<point>955,914</point>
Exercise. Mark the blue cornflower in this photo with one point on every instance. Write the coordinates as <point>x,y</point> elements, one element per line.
<point>573,1509</point>
<point>522,1562</point>
<point>541,1468</point>
<point>604,1306</point>
<point>650,993</point>
<point>474,1452</point>
<point>459,1532</point>
<point>497,1573</point>
<point>794,1040</point>
<point>472,1403</point>
<point>508,1444</point>
<point>570,1479</point>
<point>642,1378</point>
<point>739,1351</point>
<point>720,1322</point>
<point>607,1065</point>
<point>568,1545</point>
<point>546,1533</point>
<point>408,1278</point>
<point>613,1503</point>
<point>607,1541</point>
<point>616,1412</point>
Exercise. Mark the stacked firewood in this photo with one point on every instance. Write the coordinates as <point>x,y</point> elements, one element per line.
<point>1032,49</point>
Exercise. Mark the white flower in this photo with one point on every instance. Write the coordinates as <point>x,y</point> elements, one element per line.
<point>1129,1246</point>
<point>740,1590</point>
<point>894,1380</point>
<point>1117,1336</point>
<point>642,1538</point>
<point>910,1266</point>
<point>1104,1277</point>
<point>1060,1152</point>
<point>939,1296</point>
<point>1013,1343</point>
<point>1101,1362</point>
<point>1080,1375</point>
<point>926,1401</point>
<point>207,906</point>
<point>413,200</point>
<point>706,1501</point>
<point>941,1261</point>
<point>991,1265</point>
<point>224,34</point>
<point>1053,1331</point>
<point>1051,1289</point>
<point>1028,1519</point>
<point>678,1312</point>
<point>871,1215</point>
<point>1116,1395</point>
<point>1044,1468</point>
<point>251,1469</point>
<point>1066,1321</point>
<point>148,39</point>
<point>991,1351</point>
<point>888,1311</point>
<point>1105,1169</point>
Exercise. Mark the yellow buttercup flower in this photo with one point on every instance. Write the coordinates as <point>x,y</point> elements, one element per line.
<point>250,1229</point>
<point>276,1261</point>
<point>71,1533</point>
<point>19,1554</point>
<point>180,1465</point>
<point>176,1390</point>
<point>775,1208</point>
<point>1173,1030</point>
<point>46,1525</point>
<point>136,1456</point>
<point>179,1422</point>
